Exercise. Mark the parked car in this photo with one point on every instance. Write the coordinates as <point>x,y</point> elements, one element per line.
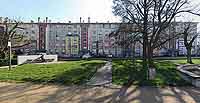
<point>86,56</point>
<point>110,56</point>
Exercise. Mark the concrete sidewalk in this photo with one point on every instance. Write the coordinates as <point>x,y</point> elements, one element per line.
<point>103,76</point>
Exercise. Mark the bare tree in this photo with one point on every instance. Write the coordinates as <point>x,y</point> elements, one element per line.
<point>8,33</point>
<point>189,39</point>
<point>126,37</point>
<point>152,17</point>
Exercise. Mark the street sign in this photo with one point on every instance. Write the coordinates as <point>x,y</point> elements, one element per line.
<point>9,44</point>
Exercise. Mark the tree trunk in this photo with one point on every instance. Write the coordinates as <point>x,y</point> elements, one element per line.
<point>145,61</point>
<point>151,69</point>
<point>189,58</point>
<point>145,40</point>
<point>133,51</point>
<point>150,56</point>
<point>145,57</point>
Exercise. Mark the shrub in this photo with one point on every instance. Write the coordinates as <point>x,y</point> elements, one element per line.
<point>5,62</point>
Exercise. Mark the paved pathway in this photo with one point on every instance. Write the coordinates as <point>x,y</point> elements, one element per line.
<point>31,93</point>
<point>103,76</point>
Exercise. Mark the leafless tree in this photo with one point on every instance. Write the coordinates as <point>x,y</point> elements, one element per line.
<point>152,17</point>
<point>189,38</point>
<point>126,37</point>
<point>9,33</point>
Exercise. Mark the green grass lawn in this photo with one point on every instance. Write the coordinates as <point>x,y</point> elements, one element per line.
<point>167,74</point>
<point>78,72</point>
<point>184,61</point>
<point>71,72</point>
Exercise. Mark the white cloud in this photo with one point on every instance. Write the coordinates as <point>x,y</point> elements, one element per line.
<point>98,10</point>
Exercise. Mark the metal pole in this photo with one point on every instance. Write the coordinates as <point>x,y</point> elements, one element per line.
<point>10,53</point>
<point>10,59</point>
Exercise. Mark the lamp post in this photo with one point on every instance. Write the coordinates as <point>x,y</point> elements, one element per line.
<point>97,48</point>
<point>10,52</point>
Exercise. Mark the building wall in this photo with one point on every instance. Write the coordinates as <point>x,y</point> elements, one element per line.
<point>54,37</point>
<point>99,39</point>
<point>180,41</point>
<point>30,34</point>
<point>176,45</point>
<point>72,45</point>
<point>42,36</point>
<point>84,37</point>
<point>1,29</point>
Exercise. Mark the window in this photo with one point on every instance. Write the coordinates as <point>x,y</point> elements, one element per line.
<point>41,29</point>
<point>109,25</point>
<point>69,28</point>
<point>57,38</point>
<point>33,32</point>
<point>75,32</point>
<point>75,46</point>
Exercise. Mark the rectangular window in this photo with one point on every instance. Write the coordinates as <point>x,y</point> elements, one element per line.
<point>75,26</point>
<point>33,32</point>
<point>75,32</point>
<point>69,28</point>
<point>109,25</point>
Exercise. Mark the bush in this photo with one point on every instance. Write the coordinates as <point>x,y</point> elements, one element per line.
<point>5,62</point>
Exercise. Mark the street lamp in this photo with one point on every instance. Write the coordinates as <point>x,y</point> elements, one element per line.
<point>10,52</point>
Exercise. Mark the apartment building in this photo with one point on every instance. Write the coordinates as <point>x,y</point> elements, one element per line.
<point>59,37</point>
<point>1,29</point>
<point>73,39</point>
<point>180,42</point>
<point>99,40</point>
<point>175,46</point>
<point>30,33</point>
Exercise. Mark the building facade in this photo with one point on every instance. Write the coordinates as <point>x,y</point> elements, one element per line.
<point>75,39</point>
<point>72,45</point>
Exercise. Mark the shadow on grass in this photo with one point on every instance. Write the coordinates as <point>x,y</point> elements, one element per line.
<point>168,75</point>
<point>125,71</point>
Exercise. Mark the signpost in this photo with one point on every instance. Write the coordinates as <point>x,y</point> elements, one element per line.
<point>10,53</point>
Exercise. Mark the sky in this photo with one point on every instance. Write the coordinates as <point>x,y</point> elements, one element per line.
<point>61,10</point>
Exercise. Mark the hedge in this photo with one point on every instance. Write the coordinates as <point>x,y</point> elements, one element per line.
<point>5,62</point>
